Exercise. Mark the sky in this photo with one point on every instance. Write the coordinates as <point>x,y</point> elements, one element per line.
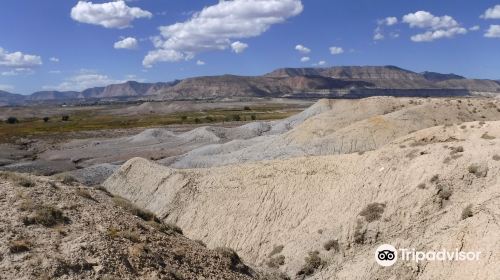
<point>72,45</point>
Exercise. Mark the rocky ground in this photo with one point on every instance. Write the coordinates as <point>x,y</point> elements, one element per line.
<point>62,230</point>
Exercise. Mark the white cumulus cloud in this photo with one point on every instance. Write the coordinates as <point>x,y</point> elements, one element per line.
<point>492,13</point>
<point>430,36</point>
<point>493,32</point>
<point>378,36</point>
<point>216,26</point>
<point>321,63</point>
<point>128,43</point>
<point>302,49</point>
<point>84,80</point>
<point>388,21</point>
<point>474,28</point>
<point>305,59</point>
<point>437,27</point>
<point>239,47</point>
<point>200,62</point>
<point>336,50</point>
<point>19,59</point>
<point>424,19</point>
<point>110,15</point>
<point>54,59</point>
<point>6,87</point>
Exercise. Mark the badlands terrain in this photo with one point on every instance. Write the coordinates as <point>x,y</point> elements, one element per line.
<point>309,196</point>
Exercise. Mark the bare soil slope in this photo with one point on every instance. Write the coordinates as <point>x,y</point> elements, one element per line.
<point>431,189</point>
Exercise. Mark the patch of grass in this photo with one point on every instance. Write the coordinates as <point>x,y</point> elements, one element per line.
<point>200,242</point>
<point>19,246</point>
<point>26,205</point>
<point>487,137</point>
<point>67,179</point>
<point>235,263</point>
<point>134,210</point>
<point>359,233</point>
<point>455,150</point>
<point>92,119</point>
<point>373,212</point>
<point>331,244</point>
<point>104,190</point>
<point>434,178</point>
<point>20,180</point>
<point>167,228</point>
<point>276,250</point>
<point>47,216</point>
<point>115,233</point>
<point>444,192</point>
<point>276,262</point>
<point>85,194</point>
<point>467,212</point>
<point>130,235</point>
<point>312,262</point>
<point>477,170</point>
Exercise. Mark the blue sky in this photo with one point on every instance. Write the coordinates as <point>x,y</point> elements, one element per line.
<point>71,45</point>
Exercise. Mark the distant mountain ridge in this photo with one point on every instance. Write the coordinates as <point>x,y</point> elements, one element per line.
<point>341,81</point>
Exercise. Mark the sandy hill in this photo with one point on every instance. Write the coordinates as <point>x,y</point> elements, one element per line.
<point>431,189</point>
<point>61,230</point>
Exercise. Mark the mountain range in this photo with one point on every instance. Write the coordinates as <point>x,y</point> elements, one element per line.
<point>342,81</point>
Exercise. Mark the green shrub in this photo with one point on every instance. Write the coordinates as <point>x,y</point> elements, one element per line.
<point>11,120</point>
<point>47,216</point>
<point>312,262</point>
<point>134,210</point>
<point>434,178</point>
<point>444,192</point>
<point>85,194</point>
<point>65,118</point>
<point>331,244</point>
<point>487,137</point>
<point>467,212</point>
<point>235,263</point>
<point>372,212</point>
<point>359,233</point>
<point>276,262</point>
<point>276,250</point>
<point>19,246</point>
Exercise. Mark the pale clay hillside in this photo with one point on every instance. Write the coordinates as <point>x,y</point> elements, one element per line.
<point>424,181</point>
<point>310,196</point>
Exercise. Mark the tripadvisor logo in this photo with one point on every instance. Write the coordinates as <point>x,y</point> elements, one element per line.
<point>387,255</point>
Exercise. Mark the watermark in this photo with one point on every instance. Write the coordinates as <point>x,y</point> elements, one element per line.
<point>387,255</point>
